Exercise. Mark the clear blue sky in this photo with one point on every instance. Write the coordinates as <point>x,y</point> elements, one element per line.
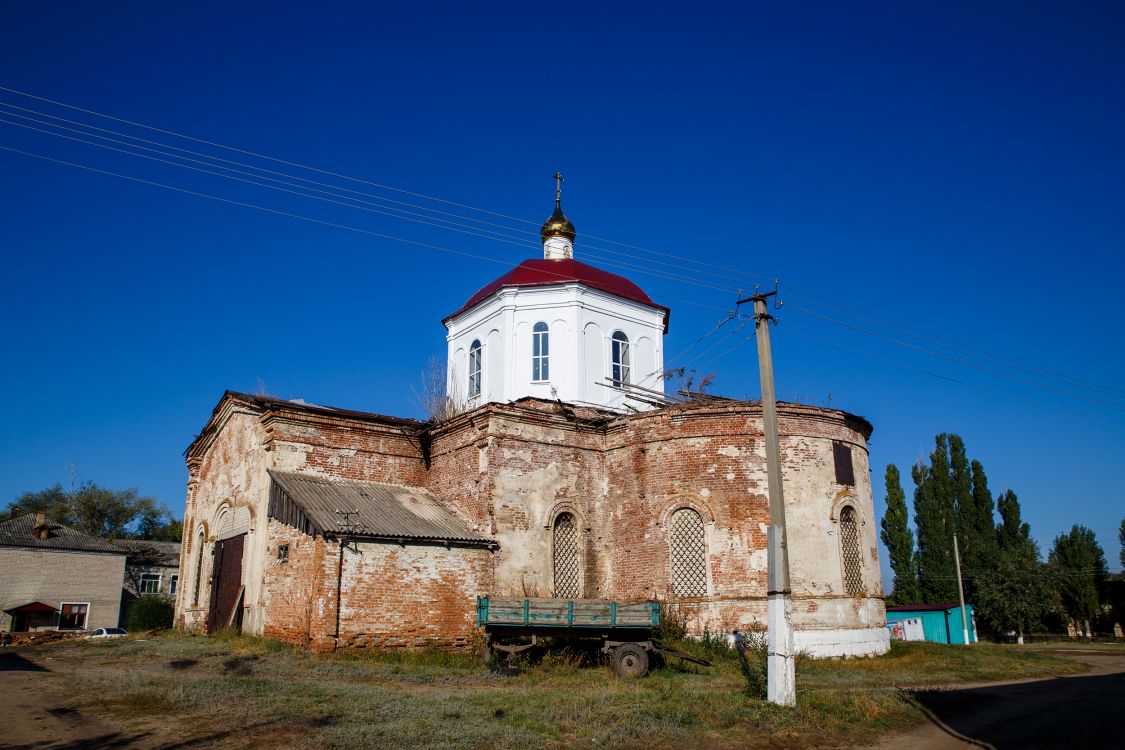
<point>957,167</point>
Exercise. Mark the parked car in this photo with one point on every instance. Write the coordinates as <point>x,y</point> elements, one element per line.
<point>108,633</point>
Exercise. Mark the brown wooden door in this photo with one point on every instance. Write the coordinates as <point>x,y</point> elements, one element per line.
<point>226,582</point>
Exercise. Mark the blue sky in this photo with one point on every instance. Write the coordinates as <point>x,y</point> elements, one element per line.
<point>955,167</point>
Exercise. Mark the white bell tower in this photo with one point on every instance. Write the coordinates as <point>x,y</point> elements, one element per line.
<point>556,328</point>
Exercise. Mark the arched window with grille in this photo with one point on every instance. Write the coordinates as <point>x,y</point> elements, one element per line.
<point>566,563</point>
<point>474,369</point>
<point>621,358</point>
<point>688,552</point>
<point>198,569</point>
<point>849,552</point>
<point>540,359</point>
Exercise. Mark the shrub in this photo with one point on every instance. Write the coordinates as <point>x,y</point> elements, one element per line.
<point>151,613</point>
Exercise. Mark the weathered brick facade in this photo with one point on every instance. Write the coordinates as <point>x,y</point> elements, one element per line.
<point>508,471</point>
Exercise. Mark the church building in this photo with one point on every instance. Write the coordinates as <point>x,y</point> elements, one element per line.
<point>561,472</point>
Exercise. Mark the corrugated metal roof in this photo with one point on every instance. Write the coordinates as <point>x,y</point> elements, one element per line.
<point>17,532</point>
<point>385,511</point>
<point>146,552</point>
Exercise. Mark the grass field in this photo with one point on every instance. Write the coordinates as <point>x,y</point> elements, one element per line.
<point>246,691</point>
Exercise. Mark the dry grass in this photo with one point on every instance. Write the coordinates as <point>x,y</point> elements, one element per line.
<point>272,695</point>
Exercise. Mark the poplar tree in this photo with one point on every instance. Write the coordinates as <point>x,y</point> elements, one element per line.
<point>985,522</point>
<point>965,511</point>
<point>1079,566</point>
<point>1011,531</point>
<point>934,517</point>
<point>899,540</point>
<point>1121,540</point>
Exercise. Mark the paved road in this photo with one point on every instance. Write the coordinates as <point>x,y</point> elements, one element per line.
<point>1083,711</point>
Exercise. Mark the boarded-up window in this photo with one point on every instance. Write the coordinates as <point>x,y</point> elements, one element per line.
<point>689,553</point>
<point>842,454</point>
<point>849,552</point>
<point>567,568</point>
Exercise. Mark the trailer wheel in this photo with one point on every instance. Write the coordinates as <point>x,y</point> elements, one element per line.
<point>630,660</point>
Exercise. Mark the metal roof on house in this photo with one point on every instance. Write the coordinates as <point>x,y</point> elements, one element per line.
<point>924,607</point>
<point>379,511</point>
<point>19,532</point>
<point>146,552</point>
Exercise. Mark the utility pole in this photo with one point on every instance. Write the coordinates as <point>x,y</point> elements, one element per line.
<point>961,592</point>
<point>781,676</point>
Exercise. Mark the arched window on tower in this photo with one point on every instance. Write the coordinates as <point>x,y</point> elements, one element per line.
<point>567,567</point>
<point>621,359</point>
<point>540,359</point>
<point>474,369</point>
<point>689,553</point>
<point>198,569</point>
<point>849,552</point>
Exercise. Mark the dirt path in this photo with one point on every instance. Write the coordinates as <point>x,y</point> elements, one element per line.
<point>1076,711</point>
<point>35,713</point>
<point>38,713</point>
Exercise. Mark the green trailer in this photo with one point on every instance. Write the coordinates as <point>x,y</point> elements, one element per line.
<point>625,629</point>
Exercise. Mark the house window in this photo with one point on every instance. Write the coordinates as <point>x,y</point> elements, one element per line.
<point>688,552</point>
<point>198,570</point>
<point>474,369</point>
<point>173,585</point>
<point>567,568</point>
<point>539,352</point>
<point>72,615</point>
<point>621,358</point>
<point>283,553</point>
<point>842,457</point>
<point>849,552</point>
<point>150,583</point>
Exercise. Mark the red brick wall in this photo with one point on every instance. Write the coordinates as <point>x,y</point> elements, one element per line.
<point>394,596</point>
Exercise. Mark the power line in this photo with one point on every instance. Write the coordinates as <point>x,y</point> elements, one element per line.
<point>386,211</point>
<point>984,354</point>
<point>726,269</point>
<point>263,156</point>
<point>394,213</point>
<point>956,360</point>
<point>509,233</point>
<point>695,269</point>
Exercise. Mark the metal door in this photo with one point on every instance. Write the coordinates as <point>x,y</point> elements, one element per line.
<point>226,583</point>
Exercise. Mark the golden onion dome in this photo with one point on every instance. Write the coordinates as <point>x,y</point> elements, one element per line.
<point>557,225</point>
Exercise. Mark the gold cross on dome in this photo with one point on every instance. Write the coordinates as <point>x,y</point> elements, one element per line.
<point>558,188</point>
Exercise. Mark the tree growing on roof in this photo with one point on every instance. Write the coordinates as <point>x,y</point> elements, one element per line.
<point>433,393</point>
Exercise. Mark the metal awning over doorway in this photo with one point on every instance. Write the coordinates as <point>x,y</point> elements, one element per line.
<point>31,608</point>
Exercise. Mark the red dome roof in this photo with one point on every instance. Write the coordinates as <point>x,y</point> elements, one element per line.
<point>544,272</point>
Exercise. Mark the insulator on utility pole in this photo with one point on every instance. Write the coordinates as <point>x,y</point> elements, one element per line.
<point>781,675</point>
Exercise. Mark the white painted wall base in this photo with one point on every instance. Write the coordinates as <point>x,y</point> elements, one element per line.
<point>822,644</point>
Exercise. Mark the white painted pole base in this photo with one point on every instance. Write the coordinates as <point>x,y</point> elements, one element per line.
<point>781,674</point>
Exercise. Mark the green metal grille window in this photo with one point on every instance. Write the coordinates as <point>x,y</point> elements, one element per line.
<point>849,552</point>
<point>689,553</point>
<point>567,568</point>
